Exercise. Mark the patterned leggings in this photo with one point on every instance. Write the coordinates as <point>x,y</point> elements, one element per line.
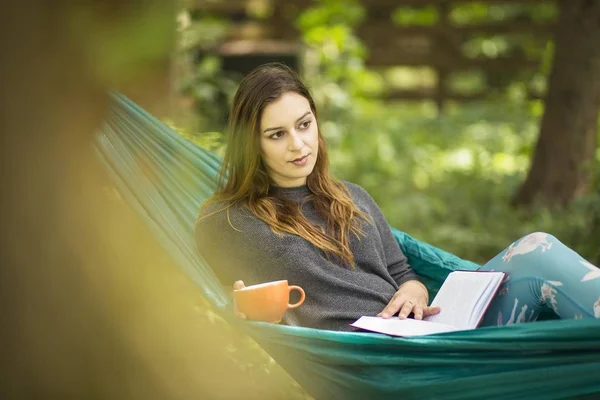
<point>542,274</point>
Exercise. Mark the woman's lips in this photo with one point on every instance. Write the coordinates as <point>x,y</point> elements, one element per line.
<point>301,160</point>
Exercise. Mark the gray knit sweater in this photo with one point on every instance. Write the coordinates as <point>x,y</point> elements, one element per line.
<point>336,295</point>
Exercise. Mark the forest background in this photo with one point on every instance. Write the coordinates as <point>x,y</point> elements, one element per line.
<point>446,149</point>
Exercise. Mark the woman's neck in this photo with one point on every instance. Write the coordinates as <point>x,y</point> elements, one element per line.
<point>292,193</point>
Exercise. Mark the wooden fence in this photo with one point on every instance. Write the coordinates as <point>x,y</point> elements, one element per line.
<point>438,47</point>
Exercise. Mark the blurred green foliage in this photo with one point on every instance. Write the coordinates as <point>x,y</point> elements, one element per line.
<point>202,80</point>
<point>423,16</point>
<point>477,12</point>
<point>447,179</point>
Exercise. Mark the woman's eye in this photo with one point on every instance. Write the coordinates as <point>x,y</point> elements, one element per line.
<point>277,135</point>
<point>305,125</point>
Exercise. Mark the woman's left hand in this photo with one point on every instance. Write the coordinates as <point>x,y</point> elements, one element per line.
<point>412,297</point>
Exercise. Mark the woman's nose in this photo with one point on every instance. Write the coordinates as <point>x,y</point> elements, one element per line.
<point>295,143</point>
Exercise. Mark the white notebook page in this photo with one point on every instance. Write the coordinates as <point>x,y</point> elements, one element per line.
<point>463,297</point>
<point>401,327</point>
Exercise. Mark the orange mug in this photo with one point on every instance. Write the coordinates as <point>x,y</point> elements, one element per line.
<point>266,302</point>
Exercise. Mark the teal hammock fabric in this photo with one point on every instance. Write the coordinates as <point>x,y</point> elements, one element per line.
<point>166,178</point>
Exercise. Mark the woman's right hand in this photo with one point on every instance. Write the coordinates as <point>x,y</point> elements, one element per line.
<point>237,285</point>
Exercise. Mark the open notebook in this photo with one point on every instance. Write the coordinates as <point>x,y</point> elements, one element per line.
<point>463,298</point>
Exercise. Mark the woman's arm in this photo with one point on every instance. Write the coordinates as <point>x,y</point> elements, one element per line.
<point>412,295</point>
<point>227,250</point>
<point>396,261</point>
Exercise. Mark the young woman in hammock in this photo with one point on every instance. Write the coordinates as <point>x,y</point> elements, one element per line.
<point>281,215</point>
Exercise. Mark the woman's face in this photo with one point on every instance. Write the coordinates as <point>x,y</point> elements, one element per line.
<point>289,140</point>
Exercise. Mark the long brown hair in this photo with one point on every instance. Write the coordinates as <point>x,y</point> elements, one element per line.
<point>243,178</point>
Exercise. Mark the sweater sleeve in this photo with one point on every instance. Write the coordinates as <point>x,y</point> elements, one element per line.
<point>396,261</point>
<point>223,247</point>
<point>239,247</point>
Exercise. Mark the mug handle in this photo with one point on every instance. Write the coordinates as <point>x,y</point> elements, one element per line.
<point>302,296</point>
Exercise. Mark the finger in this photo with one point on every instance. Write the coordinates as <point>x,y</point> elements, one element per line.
<point>392,307</point>
<point>418,311</point>
<point>237,285</point>
<point>431,311</point>
<point>407,307</point>
<point>237,312</point>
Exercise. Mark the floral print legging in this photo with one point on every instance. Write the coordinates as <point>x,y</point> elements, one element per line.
<point>542,273</point>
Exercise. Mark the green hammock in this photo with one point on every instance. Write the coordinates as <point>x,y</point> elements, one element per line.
<point>166,178</point>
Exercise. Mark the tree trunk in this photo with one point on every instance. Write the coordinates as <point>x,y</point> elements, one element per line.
<point>565,151</point>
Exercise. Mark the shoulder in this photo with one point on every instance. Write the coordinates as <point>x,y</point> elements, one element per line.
<point>364,201</point>
<point>224,217</point>
<point>354,188</point>
<point>358,193</point>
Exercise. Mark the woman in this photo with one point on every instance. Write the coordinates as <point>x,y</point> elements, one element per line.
<point>280,215</point>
